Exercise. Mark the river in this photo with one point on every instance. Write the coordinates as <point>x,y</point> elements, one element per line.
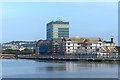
<point>21,68</point>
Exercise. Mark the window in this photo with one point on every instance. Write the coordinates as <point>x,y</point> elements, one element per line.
<point>100,43</point>
<point>68,47</point>
<point>78,43</point>
<point>68,43</point>
<point>91,47</point>
<point>68,50</point>
<point>78,47</point>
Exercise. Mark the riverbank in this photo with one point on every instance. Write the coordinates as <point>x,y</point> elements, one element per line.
<point>63,58</point>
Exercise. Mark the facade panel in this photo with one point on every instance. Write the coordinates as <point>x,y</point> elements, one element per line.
<point>57,29</point>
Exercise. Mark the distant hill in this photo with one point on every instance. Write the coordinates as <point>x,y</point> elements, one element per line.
<point>15,45</point>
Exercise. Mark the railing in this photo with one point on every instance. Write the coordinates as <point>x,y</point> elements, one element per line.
<point>67,56</point>
<point>113,56</point>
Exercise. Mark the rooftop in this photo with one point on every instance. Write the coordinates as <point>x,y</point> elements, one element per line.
<point>58,22</point>
<point>91,40</point>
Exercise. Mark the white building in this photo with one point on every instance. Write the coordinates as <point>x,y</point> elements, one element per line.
<point>9,46</point>
<point>77,45</point>
<point>84,46</point>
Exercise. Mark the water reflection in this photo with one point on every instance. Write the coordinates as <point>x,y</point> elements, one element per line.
<point>58,69</point>
<point>77,66</point>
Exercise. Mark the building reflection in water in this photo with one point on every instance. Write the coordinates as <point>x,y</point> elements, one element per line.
<point>77,66</point>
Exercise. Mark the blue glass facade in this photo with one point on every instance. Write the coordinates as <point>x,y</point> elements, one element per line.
<point>43,49</point>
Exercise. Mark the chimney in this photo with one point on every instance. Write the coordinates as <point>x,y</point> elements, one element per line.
<point>111,40</point>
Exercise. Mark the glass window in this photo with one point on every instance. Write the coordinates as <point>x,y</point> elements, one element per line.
<point>91,47</point>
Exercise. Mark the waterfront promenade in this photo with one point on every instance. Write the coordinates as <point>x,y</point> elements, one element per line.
<point>73,57</point>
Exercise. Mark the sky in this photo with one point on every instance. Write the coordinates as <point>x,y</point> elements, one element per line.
<point>59,0</point>
<point>27,20</point>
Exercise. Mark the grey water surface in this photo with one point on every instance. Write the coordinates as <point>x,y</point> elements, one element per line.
<point>22,68</point>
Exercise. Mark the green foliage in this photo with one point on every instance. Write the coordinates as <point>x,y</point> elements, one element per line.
<point>10,50</point>
<point>27,50</point>
<point>119,50</point>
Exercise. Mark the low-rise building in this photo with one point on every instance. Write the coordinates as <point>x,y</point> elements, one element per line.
<point>9,46</point>
<point>109,43</point>
<point>53,46</point>
<point>19,45</point>
<point>41,47</point>
<point>76,45</point>
<point>80,45</point>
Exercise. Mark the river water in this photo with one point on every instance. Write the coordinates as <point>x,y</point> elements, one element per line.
<point>21,68</point>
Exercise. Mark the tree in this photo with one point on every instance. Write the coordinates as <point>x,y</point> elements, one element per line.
<point>27,50</point>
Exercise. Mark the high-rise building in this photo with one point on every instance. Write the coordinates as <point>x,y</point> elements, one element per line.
<point>57,29</point>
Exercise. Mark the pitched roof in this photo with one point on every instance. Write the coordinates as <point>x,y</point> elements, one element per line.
<point>74,39</point>
<point>94,40</point>
<point>91,40</point>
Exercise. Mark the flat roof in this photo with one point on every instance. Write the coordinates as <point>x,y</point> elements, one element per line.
<point>58,22</point>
